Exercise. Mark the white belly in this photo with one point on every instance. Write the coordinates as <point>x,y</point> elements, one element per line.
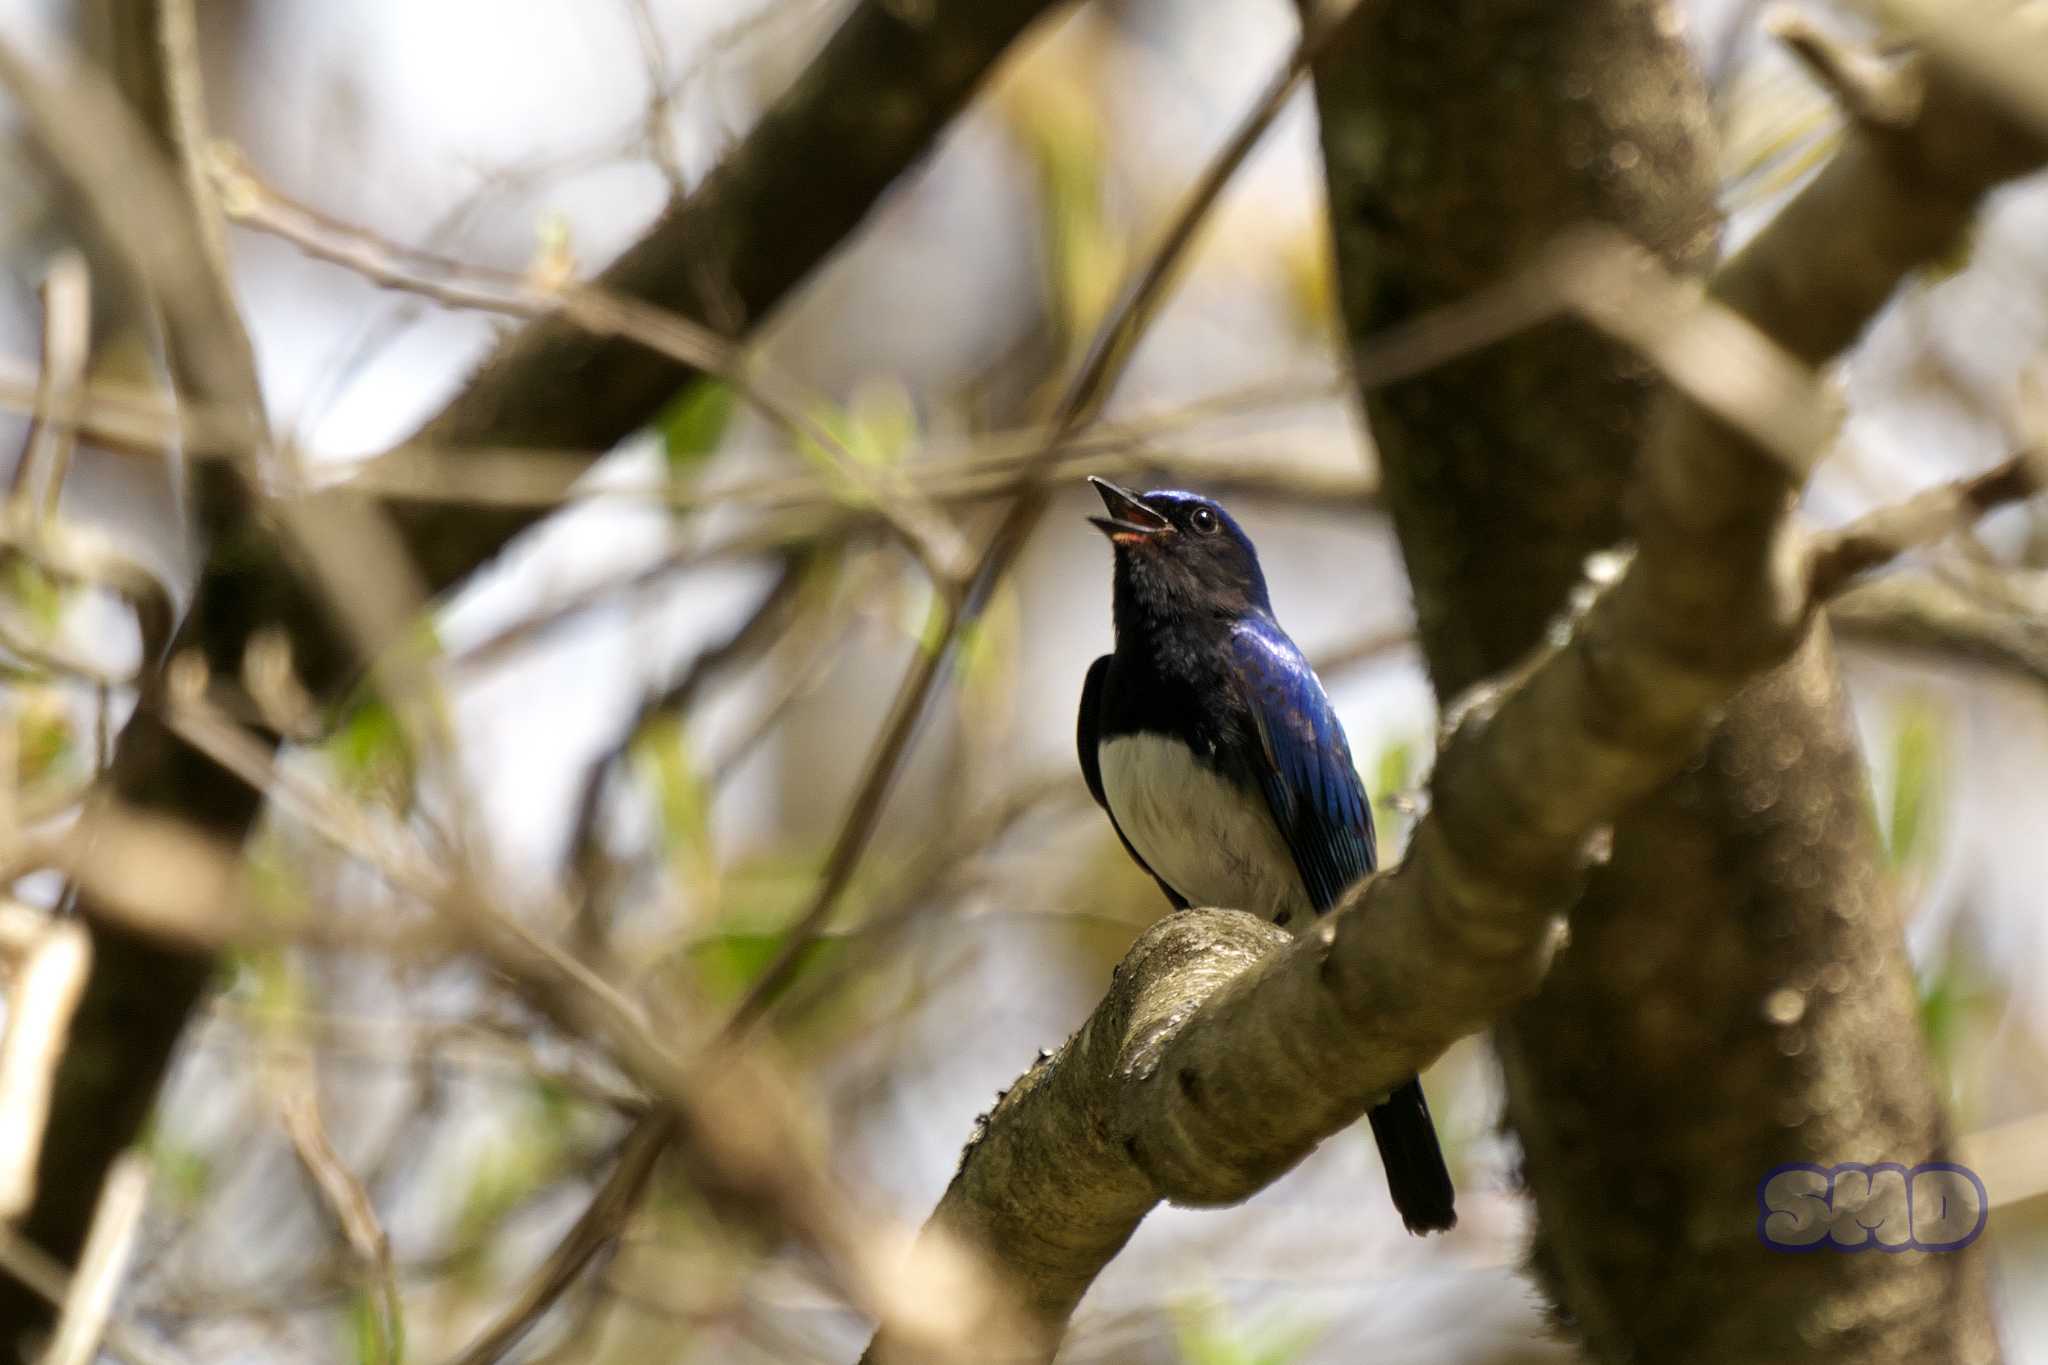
<point>1211,842</point>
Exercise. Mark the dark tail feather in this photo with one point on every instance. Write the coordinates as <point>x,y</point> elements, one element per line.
<point>1416,1174</point>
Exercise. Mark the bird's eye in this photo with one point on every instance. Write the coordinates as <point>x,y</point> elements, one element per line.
<point>1204,521</point>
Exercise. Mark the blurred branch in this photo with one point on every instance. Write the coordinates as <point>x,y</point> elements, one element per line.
<point>1987,46</point>
<point>866,110</point>
<point>49,962</point>
<point>67,348</point>
<point>1224,1050</point>
<point>595,1230</point>
<point>731,1117</point>
<point>1921,520</point>
<point>89,1303</point>
<point>954,476</point>
<point>1884,94</point>
<point>2009,1160</point>
<point>121,152</point>
<point>743,1135</point>
<point>537,296</point>
<point>26,1264</point>
<point>342,1193</point>
<point>762,626</point>
<point>1929,614</point>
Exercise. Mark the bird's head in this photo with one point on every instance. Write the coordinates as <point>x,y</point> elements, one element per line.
<point>1179,554</point>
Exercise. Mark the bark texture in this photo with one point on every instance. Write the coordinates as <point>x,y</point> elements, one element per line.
<point>1736,994</point>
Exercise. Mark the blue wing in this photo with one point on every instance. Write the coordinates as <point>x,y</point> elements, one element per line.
<point>1310,784</point>
<point>1320,806</point>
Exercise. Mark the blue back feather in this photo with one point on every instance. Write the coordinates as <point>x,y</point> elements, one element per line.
<point>1310,783</point>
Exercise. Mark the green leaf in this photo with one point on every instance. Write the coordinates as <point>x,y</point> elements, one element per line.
<point>184,1175</point>
<point>1957,1003</point>
<point>694,422</point>
<point>502,1178</point>
<point>1056,114</point>
<point>1918,746</point>
<point>683,801</point>
<point>931,631</point>
<point>40,597</point>
<point>1393,773</point>
<point>1205,1337</point>
<point>45,744</point>
<point>276,991</point>
<point>729,963</point>
<point>370,754</point>
<point>277,881</point>
<point>988,644</point>
<point>1309,282</point>
<point>878,427</point>
<point>1942,1000</point>
<point>881,422</point>
<point>377,1340</point>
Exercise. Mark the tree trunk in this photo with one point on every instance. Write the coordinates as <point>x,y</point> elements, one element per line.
<point>1736,994</point>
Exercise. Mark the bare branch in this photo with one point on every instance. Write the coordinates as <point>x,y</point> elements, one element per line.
<point>89,1304</point>
<point>120,152</point>
<point>342,1192</point>
<point>1869,88</point>
<point>50,961</point>
<point>1939,512</point>
<point>1988,45</point>
<point>67,346</point>
<point>1923,613</point>
<point>48,1280</point>
<point>594,1231</point>
<point>534,296</point>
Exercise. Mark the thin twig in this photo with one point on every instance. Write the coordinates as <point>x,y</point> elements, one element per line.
<point>659,125</point>
<point>1924,613</point>
<point>89,1303</point>
<point>1880,537</point>
<point>255,204</point>
<point>47,1278</point>
<point>67,347</point>
<point>1879,93</point>
<point>761,627</point>
<point>595,1229</point>
<point>47,978</point>
<point>342,1193</point>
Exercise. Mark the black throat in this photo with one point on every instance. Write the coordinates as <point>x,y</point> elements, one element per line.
<point>1171,673</point>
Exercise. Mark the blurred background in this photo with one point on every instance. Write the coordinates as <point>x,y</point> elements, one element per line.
<point>983,924</point>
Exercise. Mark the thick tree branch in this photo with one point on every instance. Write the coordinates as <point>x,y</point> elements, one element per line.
<point>869,107</point>
<point>1648,1062</point>
<point>1925,613</point>
<point>119,151</point>
<point>1223,1052</point>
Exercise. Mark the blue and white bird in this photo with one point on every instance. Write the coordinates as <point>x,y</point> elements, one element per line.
<point>1212,745</point>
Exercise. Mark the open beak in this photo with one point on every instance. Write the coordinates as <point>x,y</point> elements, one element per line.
<point>1129,521</point>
